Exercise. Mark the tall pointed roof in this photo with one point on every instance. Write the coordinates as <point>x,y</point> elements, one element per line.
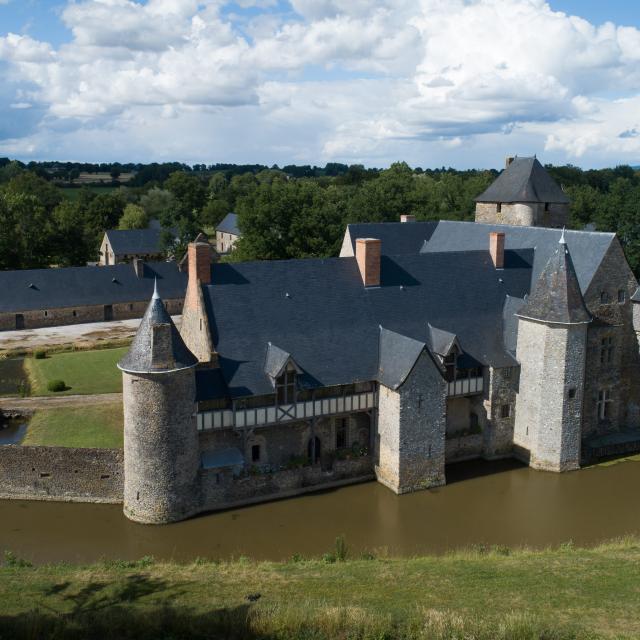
<point>524,180</point>
<point>556,296</point>
<point>157,346</point>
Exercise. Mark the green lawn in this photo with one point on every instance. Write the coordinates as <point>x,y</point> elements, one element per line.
<point>556,594</point>
<point>99,426</point>
<point>82,371</point>
<point>13,377</point>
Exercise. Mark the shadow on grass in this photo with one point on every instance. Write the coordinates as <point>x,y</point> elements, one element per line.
<point>102,610</point>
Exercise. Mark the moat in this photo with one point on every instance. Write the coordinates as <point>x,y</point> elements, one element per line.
<point>499,503</point>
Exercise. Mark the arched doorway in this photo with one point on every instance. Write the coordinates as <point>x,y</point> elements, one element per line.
<point>313,450</point>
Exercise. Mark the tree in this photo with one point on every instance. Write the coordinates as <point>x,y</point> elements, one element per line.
<point>159,203</point>
<point>134,217</point>
<point>189,192</point>
<point>71,244</point>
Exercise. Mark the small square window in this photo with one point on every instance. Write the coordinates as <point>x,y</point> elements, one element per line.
<point>604,297</point>
<point>499,207</point>
<point>75,313</point>
<point>572,393</point>
<point>255,453</point>
<point>506,373</point>
<point>46,313</point>
<point>622,296</point>
<point>505,411</point>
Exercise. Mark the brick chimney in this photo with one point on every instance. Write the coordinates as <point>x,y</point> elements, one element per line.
<point>368,252</point>
<point>508,161</point>
<point>405,217</point>
<point>138,267</point>
<point>199,258</point>
<point>496,248</point>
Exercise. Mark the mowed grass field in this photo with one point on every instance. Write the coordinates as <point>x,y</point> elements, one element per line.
<point>91,426</point>
<point>84,372</point>
<point>500,594</point>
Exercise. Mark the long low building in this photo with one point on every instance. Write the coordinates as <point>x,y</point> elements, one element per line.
<point>34,298</point>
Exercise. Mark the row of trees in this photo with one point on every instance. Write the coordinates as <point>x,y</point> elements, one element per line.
<point>280,216</point>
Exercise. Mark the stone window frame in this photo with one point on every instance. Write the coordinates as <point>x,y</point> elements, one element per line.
<point>505,411</point>
<point>603,405</point>
<point>604,297</point>
<point>571,393</point>
<point>622,296</point>
<point>607,349</point>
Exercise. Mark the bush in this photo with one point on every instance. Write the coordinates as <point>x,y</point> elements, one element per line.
<point>56,385</point>
<point>40,354</point>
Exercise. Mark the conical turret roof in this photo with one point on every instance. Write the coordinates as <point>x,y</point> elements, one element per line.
<point>157,346</point>
<point>556,297</point>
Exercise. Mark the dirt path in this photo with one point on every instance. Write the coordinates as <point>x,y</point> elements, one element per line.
<point>51,402</point>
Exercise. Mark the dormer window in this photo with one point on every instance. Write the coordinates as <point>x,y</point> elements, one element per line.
<point>286,387</point>
<point>450,365</point>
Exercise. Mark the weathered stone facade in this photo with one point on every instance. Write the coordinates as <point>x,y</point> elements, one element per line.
<point>411,431</point>
<point>527,214</point>
<point>62,474</point>
<point>161,456</point>
<point>81,314</point>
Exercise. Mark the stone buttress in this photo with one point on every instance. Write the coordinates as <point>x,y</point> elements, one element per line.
<point>552,338</point>
<point>161,450</point>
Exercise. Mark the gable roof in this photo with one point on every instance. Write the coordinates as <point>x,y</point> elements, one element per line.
<point>157,346</point>
<point>398,355</point>
<point>229,224</point>
<point>276,361</point>
<point>318,311</point>
<point>556,296</point>
<point>524,180</point>
<point>34,289</point>
<point>588,248</point>
<point>135,241</point>
<point>441,341</point>
<point>398,238</point>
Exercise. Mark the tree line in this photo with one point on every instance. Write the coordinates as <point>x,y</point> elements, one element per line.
<point>281,213</point>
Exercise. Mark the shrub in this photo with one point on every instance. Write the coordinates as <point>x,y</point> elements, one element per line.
<point>56,385</point>
<point>341,549</point>
<point>40,354</point>
<point>11,560</point>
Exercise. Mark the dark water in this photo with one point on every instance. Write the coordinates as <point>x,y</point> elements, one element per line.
<point>493,503</point>
<point>13,432</point>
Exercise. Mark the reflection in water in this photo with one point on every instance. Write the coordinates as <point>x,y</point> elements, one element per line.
<point>13,432</point>
<point>512,505</point>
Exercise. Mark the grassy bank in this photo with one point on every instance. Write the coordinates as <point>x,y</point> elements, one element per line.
<point>481,594</point>
<point>84,372</point>
<point>88,426</point>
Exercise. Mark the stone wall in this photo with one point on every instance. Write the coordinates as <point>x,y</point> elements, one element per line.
<point>549,406</point>
<point>523,214</point>
<point>465,447</point>
<point>502,384</point>
<point>614,319</point>
<point>411,430</point>
<point>222,490</point>
<point>83,314</point>
<point>60,473</point>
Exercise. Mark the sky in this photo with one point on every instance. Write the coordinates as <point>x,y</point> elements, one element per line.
<point>460,83</point>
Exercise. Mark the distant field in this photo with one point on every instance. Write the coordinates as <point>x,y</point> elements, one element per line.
<point>89,426</point>
<point>74,194</point>
<point>84,372</point>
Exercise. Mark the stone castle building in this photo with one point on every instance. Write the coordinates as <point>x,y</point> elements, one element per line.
<point>423,344</point>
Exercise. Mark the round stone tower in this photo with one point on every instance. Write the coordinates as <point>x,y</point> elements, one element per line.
<point>161,454</point>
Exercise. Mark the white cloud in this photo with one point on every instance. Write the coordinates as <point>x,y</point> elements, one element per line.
<point>354,80</point>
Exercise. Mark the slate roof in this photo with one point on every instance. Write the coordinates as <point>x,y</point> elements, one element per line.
<point>524,180</point>
<point>398,238</point>
<point>398,355</point>
<point>587,248</point>
<point>229,224</point>
<point>441,341</point>
<point>329,322</point>
<point>157,346</point>
<point>510,322</point>
<point>34,289</point>
<point>134,241</point>
<point>276,360</point>
<point>556,295</point>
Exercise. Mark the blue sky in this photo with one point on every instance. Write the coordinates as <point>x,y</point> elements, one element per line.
<point>461,83</point>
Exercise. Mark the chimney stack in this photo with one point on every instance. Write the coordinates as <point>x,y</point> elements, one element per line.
<point>496,248</point>
<point>508,161</point>
<point>368,252</point>
<point>199,258</point>
<point>407,218</point>
<point>138,267</point>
